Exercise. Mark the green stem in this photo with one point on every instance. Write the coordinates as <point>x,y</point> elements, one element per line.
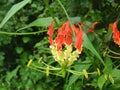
<point>114,52</point>
<point>45,68</point>
<point>64,9</point>
<point>113,56</point>
<point>63,72</point>
<point>118,66</point>
<point>66,15</point>
<point>28,33</point>
<point>75,72</point>
<point>51,66</point>
<point>44,71</point>
<point>50,10</point>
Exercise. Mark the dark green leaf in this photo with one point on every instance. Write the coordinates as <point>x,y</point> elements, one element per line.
<point>13,10</point>
<point>11,74</point>
<point>40,22</point>
<point>101,81</point>
<point>73,78</point>
<point>87,44</point>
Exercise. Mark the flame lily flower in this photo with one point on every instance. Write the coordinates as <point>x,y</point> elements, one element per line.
<point>116,33</point>
<point>62,46</point>
<point>91,29</point>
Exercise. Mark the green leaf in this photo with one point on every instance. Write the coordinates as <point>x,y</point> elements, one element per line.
<point>116,73</point>
<point>40,22</point>
<point>73,78</point>
<point>10,75</point>
<point>108,65</point>
<point>108,69</point>
<point>19,50</point>
<point>101,81</point>
<point>87,44</point>
<point>1,58</point>
<point>26,39</point>
<point>111,78</point>
<point>115,79</point>
<point>13,10</point>
<point>40,43</point>
<point>110,1</point>
<point>75,19</point>
<point>101,31</point>
<point>108,35</point>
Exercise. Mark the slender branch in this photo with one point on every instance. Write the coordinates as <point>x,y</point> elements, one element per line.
<point>113,56</point>
<point>114,52</point>
<point>51,66</point>
<point>27,33</point>
<point>64,9</point>
<point>45,72</point>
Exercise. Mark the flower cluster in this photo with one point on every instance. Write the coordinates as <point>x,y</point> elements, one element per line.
<point>116,33</point>
<point>62,46</point>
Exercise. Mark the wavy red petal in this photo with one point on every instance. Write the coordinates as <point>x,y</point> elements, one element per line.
<point>116,33</point>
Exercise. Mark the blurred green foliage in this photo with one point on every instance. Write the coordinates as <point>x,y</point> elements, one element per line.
<point>35,16</point>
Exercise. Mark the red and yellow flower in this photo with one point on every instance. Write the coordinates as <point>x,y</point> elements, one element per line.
<point>62,46</point>
<point>116,33</point>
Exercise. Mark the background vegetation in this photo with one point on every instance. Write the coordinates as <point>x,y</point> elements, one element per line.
<point>23,36</point>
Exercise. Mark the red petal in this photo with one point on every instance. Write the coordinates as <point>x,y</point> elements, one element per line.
<point>68,39</point>
<point>50,40</point>
<point>50,32</point>
<point>68,29</point>
<point>79,39</point>
<point>116,33</point>
<point>91,29</point>
<point>59,40</point>
<point>51,29</point>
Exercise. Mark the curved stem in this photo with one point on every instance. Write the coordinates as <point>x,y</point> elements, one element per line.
<point>75,72</point>
<point>79,73</point>
<point>113,56</point>
<point>114,52</point>
<point>51,66</point>
<point>50,10</point>
<point>45,68</point>
<point>66,15</point>
<point>27,33</point>
<point>118,66</point>
<point>45,72</point>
